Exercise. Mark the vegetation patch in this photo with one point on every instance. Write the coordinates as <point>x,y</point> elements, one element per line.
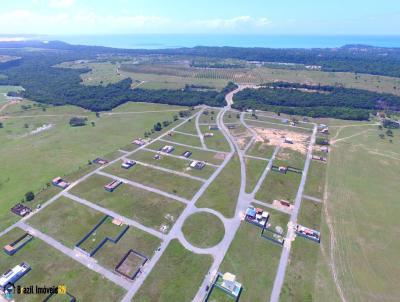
<point>176,277</point>
<point>203,229</point>
<point>254,170</point>
<point>223,192</point>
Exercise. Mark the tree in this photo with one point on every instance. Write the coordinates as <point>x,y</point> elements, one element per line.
<point>97,114</point>
<point>175,118</point>
<point>93,124</point>
<point>382,136</point>
<point>26,125</point>
<point>1,125</point>
<point>389,133</point>
<point>157,127</point>
<point>238,115</point>
<point>29,196</point>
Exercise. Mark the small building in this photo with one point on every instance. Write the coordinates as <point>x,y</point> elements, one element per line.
<point>127,164</point>
<point>187,154</point>
<point>21,210</point>
<point>12,248</point>
<point>213,127</point>
<point>256,216</point>
<point>112,185</point>
<point>292,123</point>
<point>167,149</point>
<point>157,157</point>
<point>308,233</point>
<point>325,149</point>
<point>285,120</point>
<point>324,130</point>
<point>100,161</point>
<point>230,284</point>
<point>13,275</point>
<point>285,203</point>
<point>319,158</point>
<point>283,169</point>
<point>208,134</point>
<point>138,142</point>
<point>197,164</point>
<point>59,182</point>
<point>288,140</point>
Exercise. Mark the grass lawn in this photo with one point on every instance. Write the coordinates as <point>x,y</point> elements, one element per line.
<point>184,139</point>
<point>288,157</point>
<point>66,221</point>
<point>106,229</point>
<point>216,142</point>
<point>265,118</point>
<point>363,206</point>
<point>223,192</point>
<point>210,118</point>
<point>207,156</point>
<point>254,169</point>
<point>4,89</point>
<point>310,214</point>
<point>176,277</point>
<point>203,229</point>
<point>50,267</point>
<point>48,154</point>
<point>261,149</point>
<point>315,179</point>
<point>172,163</point>
<point>300,275</point>
<point>111,254</point>
<point>270,125</point>
<point>218,295</point>
<point>231,117</point>
<point>279,186</point>
<point>188,127</point>
<point>145,207</point>
<point>254,260</point>
<point>168,182</point>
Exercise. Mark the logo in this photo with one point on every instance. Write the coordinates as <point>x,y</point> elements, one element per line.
<point>9,291</point>
<point>62,289</point>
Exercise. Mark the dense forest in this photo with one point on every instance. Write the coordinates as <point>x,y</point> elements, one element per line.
<point>315,101</point>
<point>58,86</point>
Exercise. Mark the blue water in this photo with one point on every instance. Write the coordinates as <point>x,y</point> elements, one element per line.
<point>156,41</point>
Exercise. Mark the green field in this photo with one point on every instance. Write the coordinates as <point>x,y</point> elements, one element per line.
<point>279,186</point>
<point>254,169</point>
<point>176,277</point>
<point>45,155</point>
<point>232,117</point>
<point>223,192</point>
<point>145,207</point>
<point>203,155</point>
<point>261,149</point>
<point>172,163</point>
<point>5,89</point>
<point>168,182</point>
<point>203,229</point>
<point>217,142</point>
<point>254,260</point>
<point>50,267</point>
<point>288,157</point>
<point>188,127</point>
<point>184,139</point>
<point>66,221</point>
<point>209,116</point>
<point>315,184</point>
<point>110,254</point>
<point>276,120</point>
<point>363,210</point>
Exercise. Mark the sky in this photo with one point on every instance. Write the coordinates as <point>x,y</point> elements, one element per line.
<point>291,17</point>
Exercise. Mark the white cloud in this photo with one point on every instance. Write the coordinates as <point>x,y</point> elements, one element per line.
<point>24,21</point>
<point>61,3</point>
<point>235,22</point>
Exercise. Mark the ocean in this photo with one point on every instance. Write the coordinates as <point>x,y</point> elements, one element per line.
<point>157,41</point>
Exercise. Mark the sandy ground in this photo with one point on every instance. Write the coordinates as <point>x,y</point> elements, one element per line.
<point>277,137</point>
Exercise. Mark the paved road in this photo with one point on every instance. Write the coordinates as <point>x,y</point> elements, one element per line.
<point>272,123</point>
<point>264,174</point>
<point>200,135</point>
<point>86,261</point>
<point>312,198</point>
<point>280,275</point>
<point>192,147</point>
